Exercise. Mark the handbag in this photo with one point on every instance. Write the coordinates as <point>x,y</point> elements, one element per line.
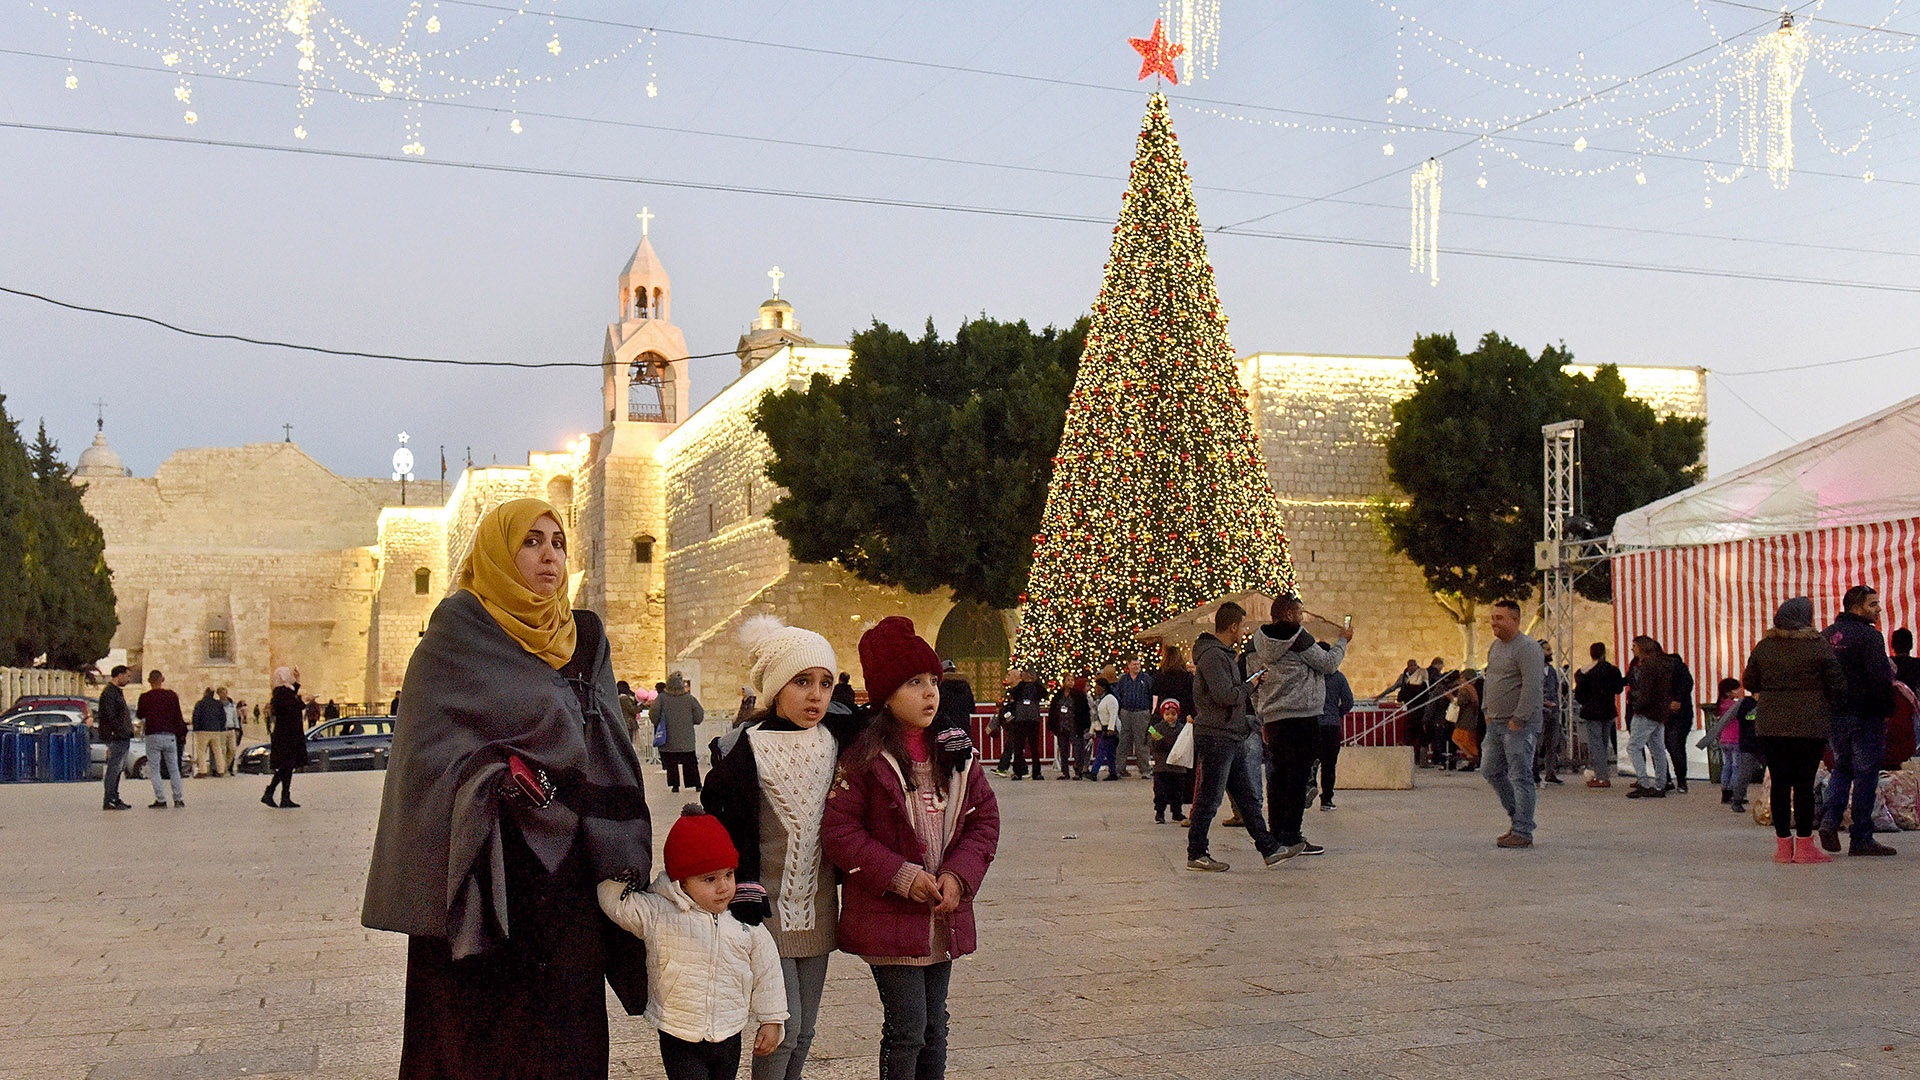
<point>660,734</point>
<point>1181,756</point>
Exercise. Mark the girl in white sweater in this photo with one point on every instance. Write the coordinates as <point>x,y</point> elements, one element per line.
<point>709,976</point>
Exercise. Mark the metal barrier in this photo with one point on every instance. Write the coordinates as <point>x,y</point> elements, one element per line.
<point>56,753</point>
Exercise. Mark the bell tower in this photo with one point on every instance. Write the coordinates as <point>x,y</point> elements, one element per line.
<point>643,367</point>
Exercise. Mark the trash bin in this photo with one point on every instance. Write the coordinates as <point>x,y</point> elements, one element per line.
<point>9,755</point>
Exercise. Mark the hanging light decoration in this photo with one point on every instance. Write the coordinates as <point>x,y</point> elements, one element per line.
<point>1194,24</point>
<point>1424,256</point>
<point>1770,79</point>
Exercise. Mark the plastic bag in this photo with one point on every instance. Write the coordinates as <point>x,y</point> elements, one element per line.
<point>1901,792</point>
<point>1181,756</point>
<point>1761,799</point>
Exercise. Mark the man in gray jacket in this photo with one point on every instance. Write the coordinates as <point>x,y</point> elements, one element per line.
<point>1516,671</point>
<point>1220,742</point>
<point>1289,703</point>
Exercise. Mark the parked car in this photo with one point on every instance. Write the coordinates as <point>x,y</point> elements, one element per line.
<point>34,719</point>
<point>39,702</point>
<point>354,742</point>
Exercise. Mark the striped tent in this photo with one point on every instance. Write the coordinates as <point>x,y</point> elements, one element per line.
<point>1702,571</point>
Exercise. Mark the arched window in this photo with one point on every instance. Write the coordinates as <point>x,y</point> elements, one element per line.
<point>639,303</point>
<point>422,581</point>
<point>643,548</point>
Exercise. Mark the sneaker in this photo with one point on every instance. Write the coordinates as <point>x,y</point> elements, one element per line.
<point>1637,792</point>
<point>1110,776</point>
<point>1236,821</point>
<point>1739,808</point>
<point>1308,847</point>
<point>1830,839</point>
<point>115,806</point>
<point>1207,863</point>
<point>1552,779</point>
<point>1286,852</point>
<point>1652,793</point>
<point>1326,806</point>
<point>1870,847</point>
<point>996,772</point>
<point>1016,776</point>
<point>1159,819</point>
<point>1514,840</point>
<point>179,804</point>
<point>1037,776</point>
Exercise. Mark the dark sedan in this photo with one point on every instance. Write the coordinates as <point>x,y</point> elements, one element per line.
<point>359,742</point>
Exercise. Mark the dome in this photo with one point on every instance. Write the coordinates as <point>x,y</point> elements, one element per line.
<point>776,304</point>
<point>100,459</point>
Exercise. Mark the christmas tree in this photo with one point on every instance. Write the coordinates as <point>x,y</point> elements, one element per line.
<point>1160,499</point>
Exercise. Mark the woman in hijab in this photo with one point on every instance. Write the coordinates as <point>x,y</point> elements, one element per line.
<point>289,739</point>
<point>512,791</point>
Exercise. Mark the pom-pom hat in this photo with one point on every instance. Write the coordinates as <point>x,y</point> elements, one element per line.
<point>777,652</point>
<point>698,845</point>
<point>890,654</point>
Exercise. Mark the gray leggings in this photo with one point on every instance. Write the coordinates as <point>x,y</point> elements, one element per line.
<point>806,979</point>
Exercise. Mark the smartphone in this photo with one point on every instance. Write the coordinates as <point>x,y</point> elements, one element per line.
<point>1347,622</point>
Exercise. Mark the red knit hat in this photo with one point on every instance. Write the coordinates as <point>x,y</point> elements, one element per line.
<point>890,654</point>
<point>698,845</point>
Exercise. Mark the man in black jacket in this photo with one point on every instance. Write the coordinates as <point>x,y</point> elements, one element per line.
<point>1857,730</point>
<point>1220,729</point>
<point>115,722</point>
<point>1596,697</point>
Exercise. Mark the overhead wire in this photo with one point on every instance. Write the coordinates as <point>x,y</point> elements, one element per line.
<point>947,207</point>
<point>246,339</point>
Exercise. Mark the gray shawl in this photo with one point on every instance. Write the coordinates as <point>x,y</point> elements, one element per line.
<point>473,697</point>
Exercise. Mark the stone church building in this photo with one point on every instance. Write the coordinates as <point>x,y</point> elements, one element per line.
<point>666,510</point>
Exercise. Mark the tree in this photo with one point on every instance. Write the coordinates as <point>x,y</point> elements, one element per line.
<point>1159,500</point>
<point>72,616</point>
<point>927,465</point>
<point>17,537</point>
<point>1465,449</point>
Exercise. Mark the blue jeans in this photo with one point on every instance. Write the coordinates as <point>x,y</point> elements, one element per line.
<point>1255,764</point>
<point>1506,760</point>
<point>1858,743</point>
<point>1600,748</point>
<point>163,755</point>
<point>913,1025</point>
<point>116,764</point>
<point>1224,770</point>
<point>1647,737</point>
<point>1104,743</point>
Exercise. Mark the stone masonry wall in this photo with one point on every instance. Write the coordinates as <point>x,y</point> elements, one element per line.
<point>411,539</point>
<point>1323,422</point>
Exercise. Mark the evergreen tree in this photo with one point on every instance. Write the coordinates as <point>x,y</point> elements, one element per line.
<point>71,612</point>
<point>1160,499</point>
<point>927,465</point>
<point>17,537</point>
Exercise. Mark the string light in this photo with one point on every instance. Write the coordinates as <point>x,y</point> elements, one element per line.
<point>1424,255</point>
<point>240,38</point>
<point>1194,24</point>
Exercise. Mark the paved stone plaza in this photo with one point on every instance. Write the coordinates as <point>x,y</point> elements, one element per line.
<point>1638,939</point>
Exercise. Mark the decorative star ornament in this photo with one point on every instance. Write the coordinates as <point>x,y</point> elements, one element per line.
<point>1157,54</point>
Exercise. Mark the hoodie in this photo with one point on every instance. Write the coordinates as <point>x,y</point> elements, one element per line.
<point>1296,683</point>
<point>1219,694</point>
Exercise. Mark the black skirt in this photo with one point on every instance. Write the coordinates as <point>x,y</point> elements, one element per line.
<point>532,1009</point>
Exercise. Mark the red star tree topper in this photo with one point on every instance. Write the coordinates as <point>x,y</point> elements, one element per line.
<point>1160,499</point>
<point>1157,54</point>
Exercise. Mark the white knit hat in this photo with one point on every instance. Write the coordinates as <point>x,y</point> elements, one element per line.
<point>777,652</point>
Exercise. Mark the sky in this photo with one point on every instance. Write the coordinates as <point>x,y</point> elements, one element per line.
<point>907,161</point>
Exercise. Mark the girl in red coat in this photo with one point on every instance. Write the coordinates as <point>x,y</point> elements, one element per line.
<point>912,822</point>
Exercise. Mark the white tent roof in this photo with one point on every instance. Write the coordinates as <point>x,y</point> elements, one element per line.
<point>1865,472</point>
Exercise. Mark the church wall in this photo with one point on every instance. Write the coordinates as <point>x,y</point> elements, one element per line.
<point>411,539</point>
<point>260,541</point>
<point>1323,422</point>
<point>625,501</point>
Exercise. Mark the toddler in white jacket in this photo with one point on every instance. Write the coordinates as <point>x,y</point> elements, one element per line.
<point>709,975</point>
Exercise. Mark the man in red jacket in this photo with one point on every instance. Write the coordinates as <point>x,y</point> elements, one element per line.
<point>164,728</point>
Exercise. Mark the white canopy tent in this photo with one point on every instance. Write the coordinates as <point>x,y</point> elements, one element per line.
<point>1865,472</point>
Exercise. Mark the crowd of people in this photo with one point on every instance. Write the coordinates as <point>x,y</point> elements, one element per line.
<point>208,743</point>
<point>515,845</point>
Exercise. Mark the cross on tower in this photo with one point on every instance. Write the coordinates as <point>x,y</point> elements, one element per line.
<point>646,217</point>
<point>100,415</point>
<point>776,275</point>
<point>288,428</point>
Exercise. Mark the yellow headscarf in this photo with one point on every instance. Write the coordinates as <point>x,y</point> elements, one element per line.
<point>542,625</point>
